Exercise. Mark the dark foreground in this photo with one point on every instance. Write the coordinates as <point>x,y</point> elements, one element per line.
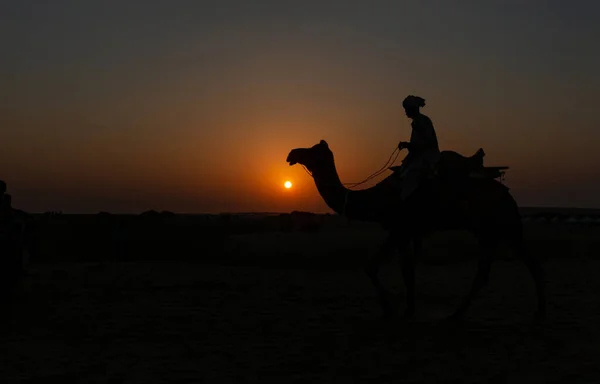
<point>295,307</point>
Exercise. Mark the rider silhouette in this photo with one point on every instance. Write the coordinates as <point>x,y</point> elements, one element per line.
<point>5,207</point>
<point>423,149</point>
<point>4,197</point>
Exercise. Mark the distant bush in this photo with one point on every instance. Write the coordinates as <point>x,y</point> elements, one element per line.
<point>147,236</point>
<point>168,236</point>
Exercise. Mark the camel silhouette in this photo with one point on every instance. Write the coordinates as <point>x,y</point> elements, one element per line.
<point>454,199</point>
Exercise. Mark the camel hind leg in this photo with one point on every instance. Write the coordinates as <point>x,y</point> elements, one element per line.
<point>535,270</point>
<point>517,242</point>
<point>481,279</point>
<point>488,241</point>
<point>489,226</point>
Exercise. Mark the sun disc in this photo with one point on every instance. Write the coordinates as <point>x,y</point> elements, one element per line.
<point>287,184</point>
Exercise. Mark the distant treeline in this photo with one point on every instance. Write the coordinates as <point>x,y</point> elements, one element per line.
<point>165,235</point>
<point>152,234</point>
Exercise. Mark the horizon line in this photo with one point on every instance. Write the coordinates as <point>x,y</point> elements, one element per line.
<point>274,213</point>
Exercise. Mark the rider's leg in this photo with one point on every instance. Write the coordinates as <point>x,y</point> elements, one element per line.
<point>410,182</point>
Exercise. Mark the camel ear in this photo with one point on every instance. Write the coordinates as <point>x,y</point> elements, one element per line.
<point>323,142</point>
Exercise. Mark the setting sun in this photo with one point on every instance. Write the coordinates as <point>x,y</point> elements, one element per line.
<point>287,184</point>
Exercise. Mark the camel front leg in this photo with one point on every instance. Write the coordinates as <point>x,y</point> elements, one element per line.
<point>372,270</point>
<point>407,260</point>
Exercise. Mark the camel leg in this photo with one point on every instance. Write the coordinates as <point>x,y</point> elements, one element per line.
<point>537,273</point>
<point>481,279</point>
<point>372,271</point>
<point>535,269</point>
<point>407,260</point>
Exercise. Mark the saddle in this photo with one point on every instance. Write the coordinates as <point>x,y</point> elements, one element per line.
<point>453,165</point>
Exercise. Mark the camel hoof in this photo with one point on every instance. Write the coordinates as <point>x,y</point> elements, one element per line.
<point>409,313</point>
<point>539,317</point>
<point>388,313</point>
<point>456,317</point>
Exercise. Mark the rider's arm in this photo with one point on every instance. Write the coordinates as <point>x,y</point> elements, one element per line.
<point>405,144</point>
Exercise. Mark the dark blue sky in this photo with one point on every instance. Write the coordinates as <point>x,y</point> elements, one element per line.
<point>193,105</point>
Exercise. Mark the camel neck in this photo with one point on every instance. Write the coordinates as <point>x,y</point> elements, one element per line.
<point>371,204</point>
<point>332,190</point>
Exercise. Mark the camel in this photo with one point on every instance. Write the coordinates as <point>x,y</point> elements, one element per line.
<point>453,200</point>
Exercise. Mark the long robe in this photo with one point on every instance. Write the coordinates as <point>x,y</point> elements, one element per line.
<point>423,154</point>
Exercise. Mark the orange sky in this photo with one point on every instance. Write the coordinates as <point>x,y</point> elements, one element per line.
<point>189,111</point>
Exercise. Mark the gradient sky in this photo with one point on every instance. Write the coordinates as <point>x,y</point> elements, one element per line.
<point>193,106</point>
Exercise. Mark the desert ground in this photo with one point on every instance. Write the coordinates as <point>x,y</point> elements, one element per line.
<point>169,299</point>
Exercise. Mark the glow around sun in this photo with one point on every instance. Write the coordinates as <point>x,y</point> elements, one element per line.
<point>287,184</point>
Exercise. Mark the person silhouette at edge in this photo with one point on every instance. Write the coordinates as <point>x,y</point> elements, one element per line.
<point>423,148</point>
<point>6,211</point>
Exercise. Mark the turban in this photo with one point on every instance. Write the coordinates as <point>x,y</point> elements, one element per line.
<point>413,102</point>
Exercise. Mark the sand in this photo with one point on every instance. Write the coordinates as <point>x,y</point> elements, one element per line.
<point>194,322</point>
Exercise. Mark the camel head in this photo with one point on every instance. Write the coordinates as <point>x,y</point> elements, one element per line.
<point>313,158</point>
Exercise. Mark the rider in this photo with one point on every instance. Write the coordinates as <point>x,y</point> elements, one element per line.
<point>423,146</point>
<point>5,208</point>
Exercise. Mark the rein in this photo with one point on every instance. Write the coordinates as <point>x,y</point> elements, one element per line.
<point>370,177</point>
